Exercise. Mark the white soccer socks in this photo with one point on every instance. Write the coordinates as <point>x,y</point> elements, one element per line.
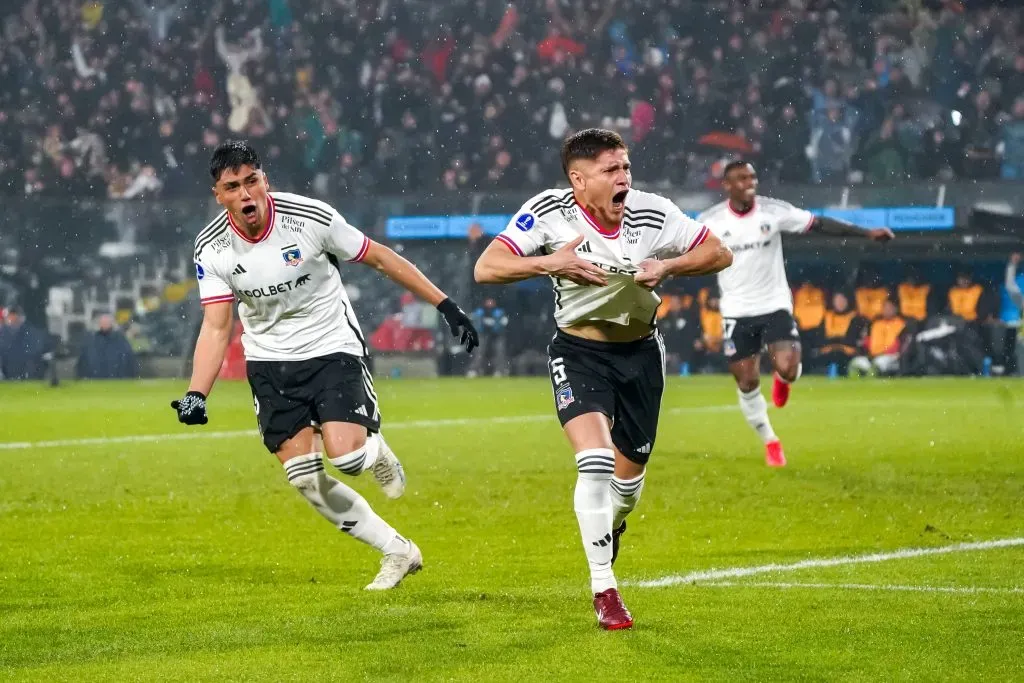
<point>625,494</point>
<point>361,459</point>
<point>593,504</point>
<point>755,410</point>
<point>342,506</point>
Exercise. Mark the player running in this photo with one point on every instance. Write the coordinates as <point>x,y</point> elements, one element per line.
<point>278,255</point>
<point>605,248</point>
<point>756,302</point>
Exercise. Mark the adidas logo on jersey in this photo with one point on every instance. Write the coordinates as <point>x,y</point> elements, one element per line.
<point>585,248</point>
<point>238,270</point>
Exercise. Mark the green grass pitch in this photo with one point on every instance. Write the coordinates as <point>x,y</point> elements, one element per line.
<point>187,557</point>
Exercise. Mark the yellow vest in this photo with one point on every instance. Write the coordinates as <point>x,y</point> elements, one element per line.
<point>963,301</point>
<point>914,301</point>
<point>884,334</point>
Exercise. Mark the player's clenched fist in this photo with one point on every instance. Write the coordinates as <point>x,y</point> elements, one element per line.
<point>565,263</point>
<point>191,409</point>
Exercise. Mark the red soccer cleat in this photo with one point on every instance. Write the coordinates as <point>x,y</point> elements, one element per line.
<point>612,615</point>
<point>773,455</point>
<point>780,392</point>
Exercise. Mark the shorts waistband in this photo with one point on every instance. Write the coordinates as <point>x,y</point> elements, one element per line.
<point>605,346</point>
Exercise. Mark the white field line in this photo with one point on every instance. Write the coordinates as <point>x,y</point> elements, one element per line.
<point>190,433</point>
<point>718,575</point>
<point>861,587</point>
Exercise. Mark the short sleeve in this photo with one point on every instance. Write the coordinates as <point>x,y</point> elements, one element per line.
<point>524,235</point>
<point>212,288</point>
<point>791,219</point>
<point>682,233</point>
<point>345,241</point>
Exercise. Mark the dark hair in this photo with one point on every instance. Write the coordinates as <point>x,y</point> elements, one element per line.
<point>733,165</point>
<point>588,144</point>
<point>232,154</point>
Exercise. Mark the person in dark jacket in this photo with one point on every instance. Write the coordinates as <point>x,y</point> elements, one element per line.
<point>106,354</point>
<point>493,323</point>
<point>23,348</point>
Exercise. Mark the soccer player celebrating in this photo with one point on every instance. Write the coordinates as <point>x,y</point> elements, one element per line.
<point>278,255</point>
<point>605,248</point>
<point>757,304</point>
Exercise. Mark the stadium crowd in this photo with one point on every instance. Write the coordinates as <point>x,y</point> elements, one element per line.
<point>124,98</point>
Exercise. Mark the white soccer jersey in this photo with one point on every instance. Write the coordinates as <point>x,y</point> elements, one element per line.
<point>653,227</point>
<point>755,283</point>
<point>291,301</point>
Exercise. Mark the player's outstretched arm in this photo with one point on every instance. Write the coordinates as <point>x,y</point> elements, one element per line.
<point>499,266</point>
<point>832,226</point>
<point>402,271</point>
<point>214,337</point>
<point>707,258</point>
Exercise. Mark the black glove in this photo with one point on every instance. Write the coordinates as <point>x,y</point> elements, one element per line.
<point>191,409</point>
<point>460,324</point>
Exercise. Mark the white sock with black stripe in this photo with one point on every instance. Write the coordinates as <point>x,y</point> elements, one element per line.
<point>361,459</point>
<point>592,501</point>
<point>625,495</point>
<point>340,505</point>
<point>755,411</point>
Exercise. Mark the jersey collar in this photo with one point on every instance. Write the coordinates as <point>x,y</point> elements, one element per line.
<point>734,212</point>
<point>271,216</point>
<point>608,234</point>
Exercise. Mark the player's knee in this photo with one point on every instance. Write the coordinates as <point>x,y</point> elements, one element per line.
<point>789,370</point>
<point>345,445</point>
<point>748,384</point>
<point>596,463</point>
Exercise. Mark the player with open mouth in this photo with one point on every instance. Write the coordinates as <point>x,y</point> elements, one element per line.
<point>605,247</point>
<point>279,255</point>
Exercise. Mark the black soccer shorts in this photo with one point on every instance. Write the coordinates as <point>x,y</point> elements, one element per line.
<point>624,381</point>
<point>291,395</point>
<point>746,337</point>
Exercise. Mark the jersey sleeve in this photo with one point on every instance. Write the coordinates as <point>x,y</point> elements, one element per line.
<point>344,240</point>
<point>791,219</point>
<point>525,234</point>
<point>681,233</point>
<point>212,287</point>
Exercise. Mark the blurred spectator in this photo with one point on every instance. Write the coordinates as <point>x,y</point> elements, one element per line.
<point>966,299</point>
<point>972,303</point>
<point>809,311</point>
<point>419,85</point>
<point>23,348</point>
<point>831,148</point>
<point>707,356</point>
<point>492,322</point>
<point>843,330</point>
<point>885,157</point>
<point>680,325</point>
<point>106,354</point>
<point>871,297</point>
<point>1010,315</point>
<point>915,297</point>
<point>1011,144</point>
<point>885,342</point>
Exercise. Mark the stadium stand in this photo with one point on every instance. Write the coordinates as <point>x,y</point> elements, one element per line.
<point>108,110</point>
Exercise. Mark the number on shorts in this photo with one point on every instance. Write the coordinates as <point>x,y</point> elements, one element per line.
<point>558,370</point>
<point>728,327</point>
<point>256,404</point>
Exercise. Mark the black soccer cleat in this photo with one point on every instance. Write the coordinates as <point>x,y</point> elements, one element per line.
<point>616,533</point>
